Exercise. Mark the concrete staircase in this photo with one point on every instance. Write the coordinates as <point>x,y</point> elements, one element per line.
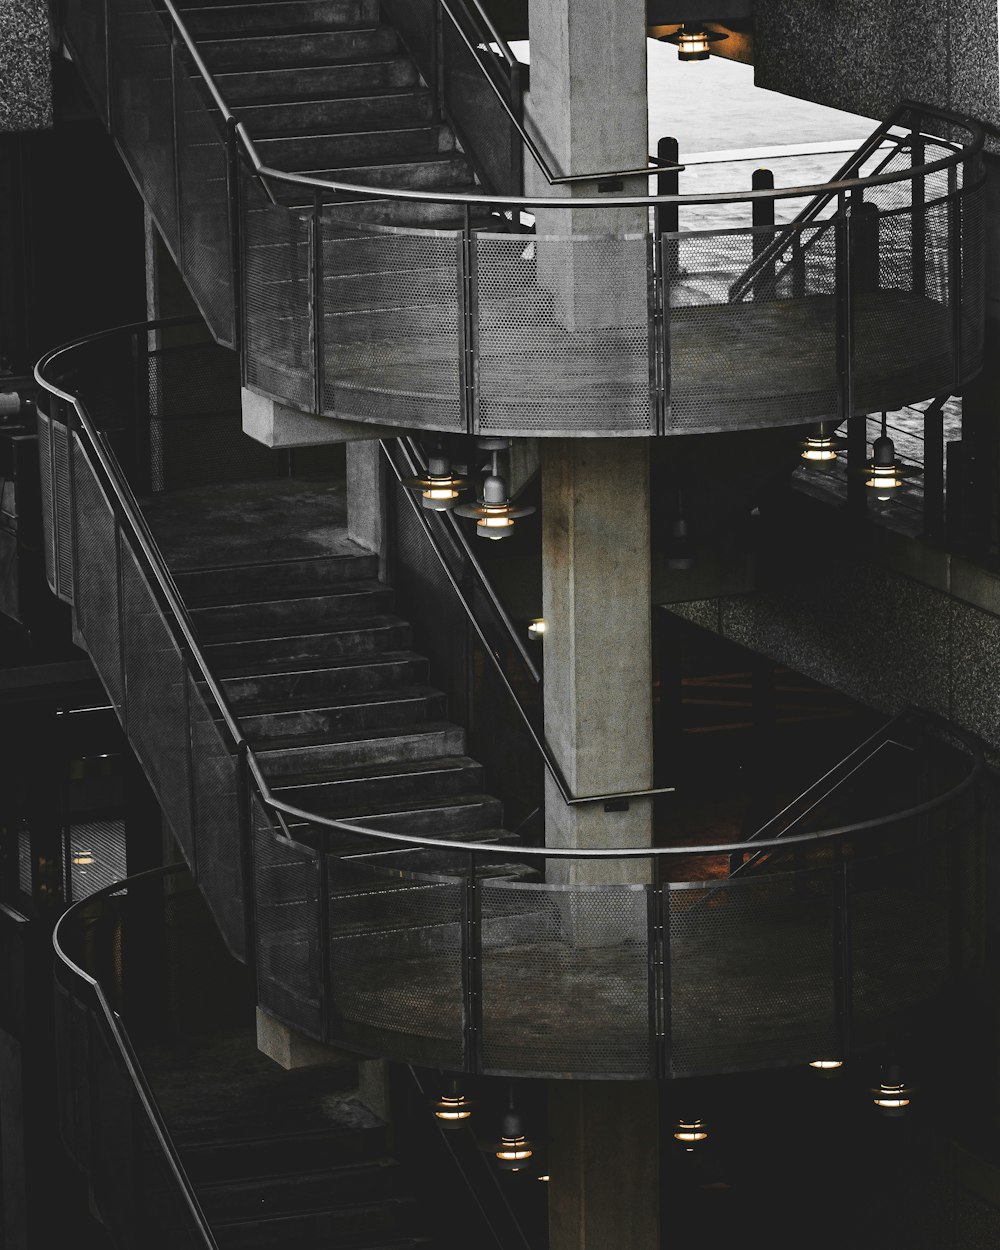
<point>324,87</point>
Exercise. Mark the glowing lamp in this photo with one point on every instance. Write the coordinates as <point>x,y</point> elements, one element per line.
<point>819,450</point>
<point>891,1097</point>
<point>513,1150</point>
<point>690,1133</point>
<point>693,42</point>
<point>885,472</point>
<point>439,487</point>
<point>452,1109</point>
<point>494,513</point>
<point>536,629</point>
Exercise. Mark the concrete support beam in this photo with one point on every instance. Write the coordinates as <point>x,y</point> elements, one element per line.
<point>25,65</point>
<point>292,1050</point>
<point>604,1162</point>
<point>366,522</point>
<point>598,672</point>
<point>276,425</point>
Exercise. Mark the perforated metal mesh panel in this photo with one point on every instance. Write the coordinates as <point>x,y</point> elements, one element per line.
<point>204,218</point>
<point>278,345</point>
<point>973,279</point>
<point>63,511</point>
<point>563,334</point>
<point>96,606</point>
<point>142,108</point>
<point>83,29</point>
<point>45,483</point>
<point>216,835</point>
<point>565,980</point>
<point>396,964</point>
<point>768,360</point>
<point>289,974</point>
<point>95,858</point>
<point>391,326</point>
<point>156,697</point>
<point>72,1073</point>
<point>750,972</point>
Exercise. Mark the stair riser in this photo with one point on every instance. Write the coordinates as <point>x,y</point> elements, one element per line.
<point>442,822</point>
<point>287,1156</point>
<point>326,683</point>
<point>222,586</point>
<point>279,764</point>
<point>358,148</point>
<point>305,82</point>
<point>357,113</point>
<point>320,48</point>
<point>377,1222</point>
<point>307,612</point>
<point>293,15</point>
<point>271,727</point>
<point>418,787</point>
<point>311,647</point>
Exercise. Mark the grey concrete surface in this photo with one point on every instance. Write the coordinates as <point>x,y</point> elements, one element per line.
<point>25,65</point>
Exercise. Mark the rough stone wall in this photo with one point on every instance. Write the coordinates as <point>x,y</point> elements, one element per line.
<point>25,65</point>
<point>865,55</point>
<point>879,636</point>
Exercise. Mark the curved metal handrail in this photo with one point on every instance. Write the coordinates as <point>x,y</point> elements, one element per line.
<point>127,1051</point>
<point>125,507</point>
<point>606,201</point>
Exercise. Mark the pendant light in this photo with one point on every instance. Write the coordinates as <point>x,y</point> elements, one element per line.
<point>514,1149</point>
<point>819,449</point>
<point>693,41</point>
<point>885,471</point>
<point>690,1133</point>
<point>452,1109</point>
<point>494,513</point>
<point>891,1097</point>
<point>439,486</point>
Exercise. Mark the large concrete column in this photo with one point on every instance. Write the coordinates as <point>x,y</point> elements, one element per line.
<point>604,1155</point>
<point>598,671</point>
<point>586,109</point>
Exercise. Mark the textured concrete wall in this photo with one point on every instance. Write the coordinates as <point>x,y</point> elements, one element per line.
<point>865,55</point>
<point>25,65</point>
<point>879,636</point>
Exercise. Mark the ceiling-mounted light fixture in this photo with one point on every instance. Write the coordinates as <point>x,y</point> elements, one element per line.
<point>439,486</point>
<point>693,42</point>
<point>536,629</point>
<point>885,471</point>
<point>819,449</point>
<point>494,513</point>
<point>690,1133</point>
<point>452,1109</point>
<point>514,1149</point>
<point>892,1097</point>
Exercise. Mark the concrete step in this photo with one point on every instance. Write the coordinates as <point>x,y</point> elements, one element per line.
<point>419,782</point>
<point>274,723</point>
<point>242,583</point>
<point>411,106</point>
<point>460,817</point>
<point>313,753</point>
<point>352,676</point>
<point>315,82</point>
<point>265,1196</point>
<point>351,600</point>
<point>339,149</point>
<point>361,1224</point>
<point>318,47</point>
<point>285,16</point>
<point>276,1154</point>
<point>362,637</point>
<point>427,173</point>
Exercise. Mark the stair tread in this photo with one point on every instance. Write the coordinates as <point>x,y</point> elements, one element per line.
<point>273,632</point>
<point>363,1204</point>
<point>255,597</point>
<point>383,769</point>
<point>371,815</point>
<point>281,668</point>
<point>293,742</point>
<point>311,703</point>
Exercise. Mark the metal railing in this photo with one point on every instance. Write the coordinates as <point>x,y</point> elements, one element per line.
<point>442,311</point>
<point>437,950</point>
<point>111,1124</point>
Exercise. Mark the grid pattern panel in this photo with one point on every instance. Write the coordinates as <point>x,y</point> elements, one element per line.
<point>63,515</point>
<point>392,333</point>
<point>205,225</point>
<point>973,279</point>
<point>396,964</point>
<point>565,977</point>
<point>96,605</point>
<point>46,487</point>
<point>142,109</point>
<point>156,694</point>
<point>286,884</point>
<point>96,857</point>
<point>278,344</point>
<point>750,972</point>
<point>768,360</point>
<point>216,834</point>
<point>563,334</point>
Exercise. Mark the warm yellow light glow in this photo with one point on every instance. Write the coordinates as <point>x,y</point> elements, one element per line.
<point>692,44</point>
<point>892,1097</point>
<point>825,1065</point>
<point>818,450</point>
<point>514,1149</point>
<point>690,1131</point>
<point>440,492</point>
<point>84,859</point>
<point>452,1108</point>
<point>544,1177</point>
<point>536,629</point>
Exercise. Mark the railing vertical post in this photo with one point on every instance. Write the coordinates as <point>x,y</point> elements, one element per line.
<point>665,226</point>
<point>516,147</point>
<point>246,830</point>
<point>316,299</point>
<point>762,220</point>
<point>844,321</point>
<point>323,937</point>
<point>472,926</point>
<point>934,471</point>
<point>658,1002</point>
<point>955,275</point>
<point>233,189</point>
<point>842,974</point>
<point>438,74</point>
<point>467,328</point>
<point>175,145</point>
<point>108,104</point>
<point>918,216</point>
